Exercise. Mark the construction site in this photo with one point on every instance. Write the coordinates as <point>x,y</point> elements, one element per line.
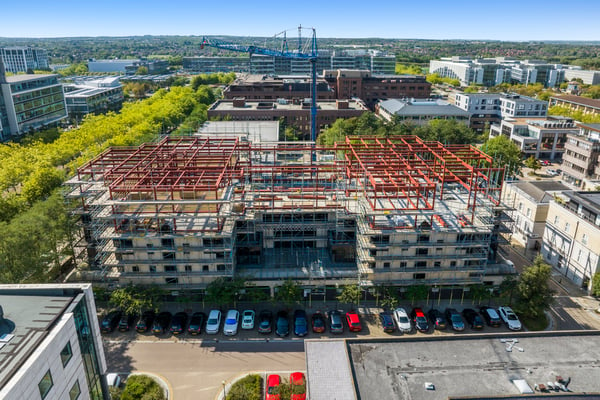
<point>370,210</point>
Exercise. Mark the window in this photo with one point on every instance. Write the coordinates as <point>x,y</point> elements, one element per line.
<point>528,212</point>
<point>170,268</point>
<point>153,268</point>
<point>45,384</point>
<point>402,264</point>
<point>386,265</point>
<point>205,268</point>
<point>66,354</point>
<point>437,264</point>
<point>188,268</point>
<point>169,242</point>
<point>418,276</point>
<point>584,239</point>
<point>421,264</point>
<point>75,391</point>
<point>453,263</point>
<point>567,227</point>
<point>556,220</point>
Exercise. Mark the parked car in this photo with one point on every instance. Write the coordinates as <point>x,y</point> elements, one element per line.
<point>265,321</point>
<point>437,319</point>
<point>300,323</point>
<point>213,323</point>
<point>402,320</point>
<point>454,319</point>
<point>490,315</point>
<point>472,318</point>
<point>232,319</point>
<point>298,386</point>
<point>110,321</point>
<point>387,322</point>
<point>335,322</point>
<point>544,162</point>
<point>248,319</point>
<point>282,324</point>
<point>196,322</point>
<point>178,323</point>
<point>272,387</point>
<point>318,322</point>
<point>419,319</point>
<point>510,318</point>
<point>161,323</point>
<point>552,172</point>
<point>144,323</point>
<point>353,321</point>
<point>126,322</point>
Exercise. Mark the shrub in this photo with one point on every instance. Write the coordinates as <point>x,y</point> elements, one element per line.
<point>141,387</point>
<point>247,388</point>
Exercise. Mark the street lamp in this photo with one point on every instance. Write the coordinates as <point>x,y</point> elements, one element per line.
<point>224,390</point>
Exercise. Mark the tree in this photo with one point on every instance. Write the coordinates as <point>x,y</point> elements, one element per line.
<point>288,293</point>
<point>533,163</point>
<point>416,292</point>
<point>142,70</point>
<point>133,299</point>
<point>596,284</point>
<point>506,154</point>
<point>142,387</point>
<point>350,295</point>
<point>223,291</point>
<point>446,131</point>
<point>247,388</point>
<point>478,292</point>
<point>508,288</point>
<point>534,295</point>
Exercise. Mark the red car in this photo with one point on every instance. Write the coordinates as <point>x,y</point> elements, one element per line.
<point>298,386</point>
<point>273,382</point>
<point>318,322</point>
<point>353,321</point>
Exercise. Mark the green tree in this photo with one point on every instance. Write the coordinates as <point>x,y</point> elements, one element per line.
<point>508,288</point>
<point>447,132</point>
<point>41,183</point>
<point>416,292</point>
<point>350,295</point>
<point>533,163</point>
<point>141,387</point>
<point>247,388</point>
<point>223,291</point>
<point>596,284</point>
<point>142,70</point>
<point>389,297</point>
<point>477,293</point>
<point>134,299</point>
<point>534,295</point>
<point>288,293</point>
<point>506,154</point>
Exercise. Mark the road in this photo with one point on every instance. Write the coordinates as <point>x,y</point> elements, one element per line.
<point>196,371</point>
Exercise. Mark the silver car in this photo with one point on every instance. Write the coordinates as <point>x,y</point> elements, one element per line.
<point>213,322</point>
<point>231,323</point>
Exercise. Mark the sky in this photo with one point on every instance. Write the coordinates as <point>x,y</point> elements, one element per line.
<point>510,20</point>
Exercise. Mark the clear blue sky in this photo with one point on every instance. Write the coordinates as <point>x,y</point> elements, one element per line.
<point>428,19</point>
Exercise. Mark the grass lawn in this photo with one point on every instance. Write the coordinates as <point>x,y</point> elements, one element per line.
<point>535,324</point>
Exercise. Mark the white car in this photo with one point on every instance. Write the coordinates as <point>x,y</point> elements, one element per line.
<point>248,319</point>
<point>510,318</point>
<point>231,323</point>
<point>552,172</point>
<point>213,322</point>
<point>402,320</point>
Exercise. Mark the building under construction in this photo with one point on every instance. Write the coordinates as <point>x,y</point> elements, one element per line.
<point>371,210</point>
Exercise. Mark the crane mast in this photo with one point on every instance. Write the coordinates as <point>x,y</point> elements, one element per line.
<point>307,52</point>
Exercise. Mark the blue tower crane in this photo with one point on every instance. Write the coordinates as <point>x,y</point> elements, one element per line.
<point>306,51</point>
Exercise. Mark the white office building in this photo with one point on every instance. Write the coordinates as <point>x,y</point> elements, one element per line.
<point>21,59</point>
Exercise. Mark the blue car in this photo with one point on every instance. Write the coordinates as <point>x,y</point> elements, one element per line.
<point>300,323</point>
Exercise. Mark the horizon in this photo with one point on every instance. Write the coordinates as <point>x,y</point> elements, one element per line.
<point>470,21</point>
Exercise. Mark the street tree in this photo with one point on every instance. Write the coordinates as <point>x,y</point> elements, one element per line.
<point>350,295</point>
<point>533,289</point>
<point>389,297</point>
<point>478,292</point>
<point>416,293</point>
<point>533,163</point>
<point>223,291</point>
<point>596,284</point>
<point>133,299</point>
<point>508,288</point>
<point>288,293</point>
<point>506,154</point>
<point>446,131</point>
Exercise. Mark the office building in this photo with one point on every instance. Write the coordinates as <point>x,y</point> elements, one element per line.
<point>269,87</point>
<point>572,236</point>
<point>420,111</point>
<point>577,103</point>
<point>188,210</point>
<point>29,102</point>
<point>93,96</point>
<point>581,161</point>
<point>588,77</point>
<point>50,343</point>
<point>153,67</point>
<point>295,114</point>
<point>110,66</point>
<point>542,138</point>
<point>209,65</point>
<point>24,59</point>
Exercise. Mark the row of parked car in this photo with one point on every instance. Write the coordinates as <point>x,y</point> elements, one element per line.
<point>266,322</point>
<point>399,319</point>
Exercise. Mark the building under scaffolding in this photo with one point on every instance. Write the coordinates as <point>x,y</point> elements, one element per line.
<point>372,210</point>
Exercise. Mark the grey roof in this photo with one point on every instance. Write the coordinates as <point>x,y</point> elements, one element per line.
<point>26,77</point>
<point>589,199</point>
<point>328,373</point>
<point>421,107</point>
<point>538,191</point>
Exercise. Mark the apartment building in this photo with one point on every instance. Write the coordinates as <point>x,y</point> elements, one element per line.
<point>22,59</point>
<point>420,111</point>
<point>572,236</point>
<point>93,96</point>
<point>295,114</point>
<point>542,138</point>
<point>187,210</point>
<point>581,160</point>
<point>50,347</point>
<point>529,202</point>
<point>577,103</point>
<point>29,102</point>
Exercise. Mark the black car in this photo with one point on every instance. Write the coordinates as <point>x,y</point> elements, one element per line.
<point>490,315</point>
<point>437,319</point>
<point>300,323</point>
<point>178,323</point>
<point>265,321</point>
<point>419,319</point>
<point>318,322</point>
<point>472,318</point>
<point>387,322</point>
<point>126,321</point>
<point>196,322</point>
<point>283,324</point>
<point>454,319</point>
<point>161,323</point>
<point>110,321</point>
<point>144,323</point>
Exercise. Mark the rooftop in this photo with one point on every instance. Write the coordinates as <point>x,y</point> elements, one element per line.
<point>254,131</point>
<point>589,199</point>
<point>226,105</point>
<point>538,191</point>
<point>421,107</point>
<point>27,77</point>
<point>579,100</point>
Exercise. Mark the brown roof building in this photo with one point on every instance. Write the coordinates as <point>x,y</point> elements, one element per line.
<point>265,87</point>
<point>577,103</point>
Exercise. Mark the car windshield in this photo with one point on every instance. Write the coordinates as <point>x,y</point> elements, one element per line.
<point>456,318</point>
<point>301,322</point>
<point>404,320</point>
<point>511,316</point>
<point>212,321</point>
<point>318,322</point>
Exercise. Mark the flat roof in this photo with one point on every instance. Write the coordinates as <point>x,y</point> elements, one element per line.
<point>28,318</point>
<point>475,366</point>
<point>422,107</point>
<point>26,77</point>
<point>578,100</point>
<point>254,131</point>
<point>589,199</point>
<point>226,105</point>
<point>539,190</point>
<point>329,374</point>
